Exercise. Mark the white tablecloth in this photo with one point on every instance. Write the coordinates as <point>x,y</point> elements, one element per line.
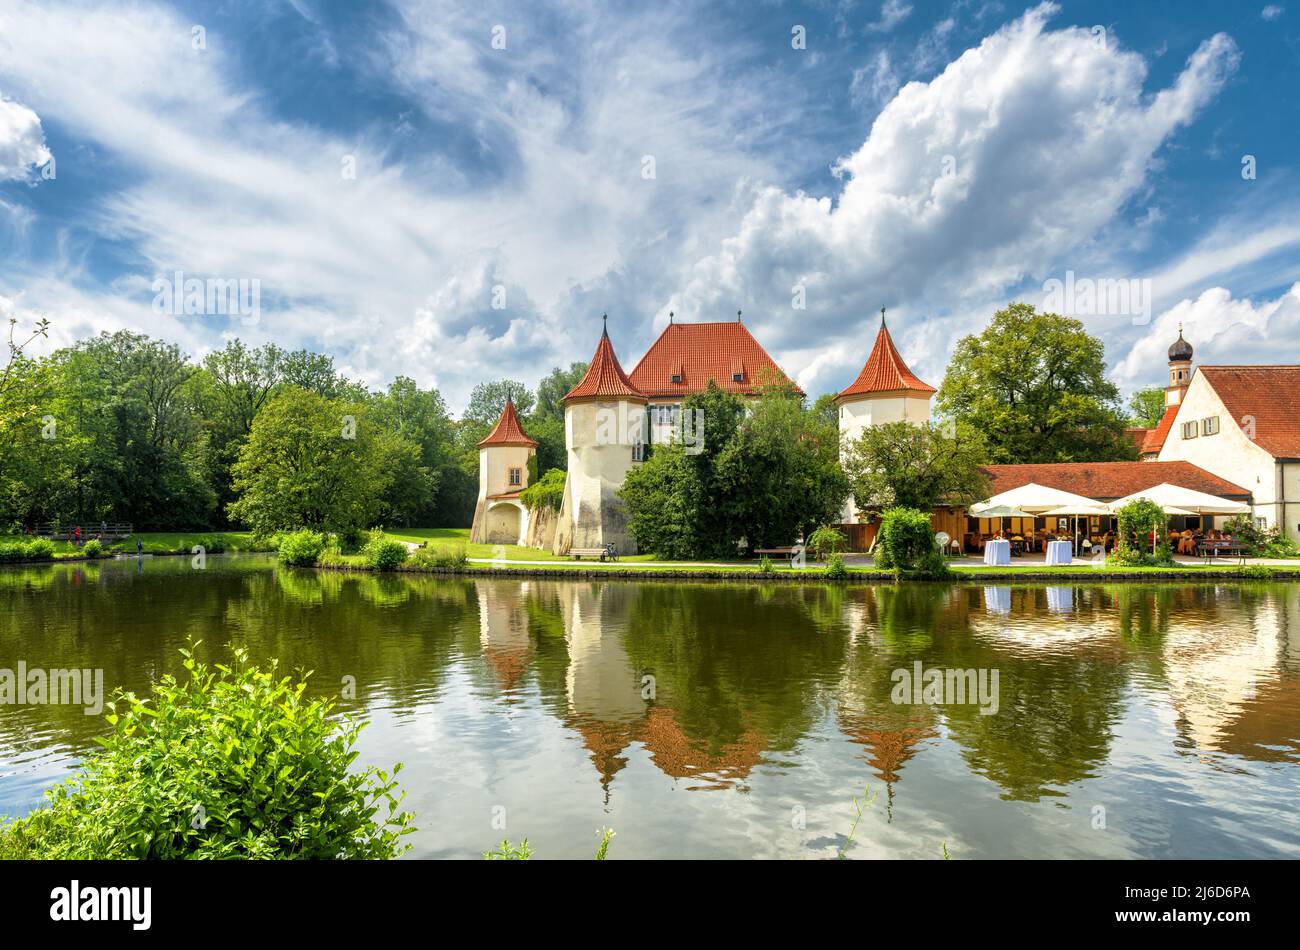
<point>997,552</point>
<point>1058,552</point>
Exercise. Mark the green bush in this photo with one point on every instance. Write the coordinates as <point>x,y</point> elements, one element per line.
<point>232,762</point>
<point>444,556</point>
<point>906,544</point>
<point>13,551</point>
<point>1257,572</point>
<point>765,565</point>
<point>835,568</point>
<point>826,540</point>
<point>92,548</point>
<point>547,491</point>
<point>39,549</point>
<point>301,548</point>
<point>212,544</point>
<point>1140,518</point>
<point>384,554</point>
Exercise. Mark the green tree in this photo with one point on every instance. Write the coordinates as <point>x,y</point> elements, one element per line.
<point>664,498</point>
<point>554,387</point>
<point>1035,385</point>
<point>312,462</point>
<point>1146,407</point>
<point>901,465</point>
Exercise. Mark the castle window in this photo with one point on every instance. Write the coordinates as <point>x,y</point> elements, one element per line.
<point>1210,426</point>
<point>638,451</point>
<point>737,377</point>
<point>677,377</point>
<point>516,477</point>
<point>1190,430</point>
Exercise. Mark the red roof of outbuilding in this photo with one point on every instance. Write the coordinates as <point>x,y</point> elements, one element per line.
<point>699,352</point>
<point>1155,438</point>
<point>1265,397</point>
<point>1107,481</point>
<point>508,430</point>
<point>605,378</point>
<point>885,371</point>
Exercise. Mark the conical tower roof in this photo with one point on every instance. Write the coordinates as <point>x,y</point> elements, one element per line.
<point>605,378</point>
<point>508,430</point>
<point>885,371</point>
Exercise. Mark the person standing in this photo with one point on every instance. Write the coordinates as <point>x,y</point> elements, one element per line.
<point>76,536</point>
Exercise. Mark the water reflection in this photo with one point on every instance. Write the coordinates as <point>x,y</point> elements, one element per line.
<point>543,691</point>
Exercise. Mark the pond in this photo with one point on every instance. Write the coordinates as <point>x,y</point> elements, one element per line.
<point>730,720</point>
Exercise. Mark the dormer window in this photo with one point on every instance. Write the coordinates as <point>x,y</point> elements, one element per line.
<point>737,377</point>
<point>677,378</point>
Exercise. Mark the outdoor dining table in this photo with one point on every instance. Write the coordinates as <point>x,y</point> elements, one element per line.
<point>1058,552</point>
<point>997,552</point>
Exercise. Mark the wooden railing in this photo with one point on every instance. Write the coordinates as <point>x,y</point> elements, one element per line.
<point>107,531</point>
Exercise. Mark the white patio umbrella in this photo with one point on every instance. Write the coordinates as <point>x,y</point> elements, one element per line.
<point>1090,508</point>
<point>1186,500</point>
<point>999,512</point>
<point>1032,498</point>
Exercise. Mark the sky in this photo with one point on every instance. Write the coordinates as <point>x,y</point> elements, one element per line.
<point>457,192</point>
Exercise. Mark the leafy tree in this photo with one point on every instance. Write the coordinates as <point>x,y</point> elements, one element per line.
<point>312,462</point>
<point>1146,407</point>
<point>664,498</point>
<point>906,543</point>
<point>1034,384</point>
<point>554,387</point>
<point>901,465</point>
<point>487,400</point>
<point>826,409</point>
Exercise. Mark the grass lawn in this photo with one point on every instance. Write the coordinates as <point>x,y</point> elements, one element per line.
<point>511,552</point>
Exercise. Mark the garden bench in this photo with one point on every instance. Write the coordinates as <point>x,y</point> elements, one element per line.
<point>607,552</point>
<point>1214,549</point>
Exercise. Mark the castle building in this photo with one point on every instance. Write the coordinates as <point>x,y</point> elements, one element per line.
<point>503,463</point>
<point>611,416</point>
<point>1241,423</point>
<point>885,391</point>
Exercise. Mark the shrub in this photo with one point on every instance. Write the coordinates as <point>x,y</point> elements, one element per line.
<point>384,554</point>
<point>232,762</point>
<point>301,548</point>
<point>826,540</point>
<point>1257,572</point>
<point>835,568</point>
<point>548,491</point>
<point>765,565</point>
<point>40,549</point>
<point>445,556</point>
<point>13,551</point>
<point>212,544</point>
<point>906,544</point>
<point>1141,518</point>
<point>92,548</point>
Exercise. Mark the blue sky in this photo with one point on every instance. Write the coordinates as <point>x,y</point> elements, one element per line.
<point>940,159</point>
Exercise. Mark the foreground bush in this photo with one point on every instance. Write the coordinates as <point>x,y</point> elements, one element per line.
<point>301,548</point>
<point>231,763</point>
<point>906,544</point>
<point>445,556</point>
<point>384,554</point>
<point>92,548</point>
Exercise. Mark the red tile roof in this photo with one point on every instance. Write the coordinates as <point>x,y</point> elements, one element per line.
<point>1137,435</point>
<point>885,371</point>
<point>699,352</point>
<point>1155,439</point>
<point>508,430</point>
<point>1268,395</point>
<point>1107,481</point>
<point>605,378</point>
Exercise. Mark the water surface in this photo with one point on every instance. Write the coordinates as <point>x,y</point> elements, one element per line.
<point>729,720</point>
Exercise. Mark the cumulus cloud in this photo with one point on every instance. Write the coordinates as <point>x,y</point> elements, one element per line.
<point>1222,329</point>
<point>22,141</point>
<point>1021,151</point>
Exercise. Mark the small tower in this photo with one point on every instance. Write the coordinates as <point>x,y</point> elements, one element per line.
<point>503,457</point>
<point>885,391</point>
<point>1180,370</point>
<point>605,432</point>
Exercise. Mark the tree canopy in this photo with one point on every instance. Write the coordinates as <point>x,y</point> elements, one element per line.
<point>1034,384</point>
<point>901,465</point>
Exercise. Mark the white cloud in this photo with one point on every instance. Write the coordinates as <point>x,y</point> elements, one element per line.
<point>1221,330</point>
<point>1047,136</point>
<point>875,83</point>
<point>1272,11</point>
<point>892,13</point>
<point>22,141</point>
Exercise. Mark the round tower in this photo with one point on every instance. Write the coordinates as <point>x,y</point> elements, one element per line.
<point>605,432</point>
<point>503,463</point>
